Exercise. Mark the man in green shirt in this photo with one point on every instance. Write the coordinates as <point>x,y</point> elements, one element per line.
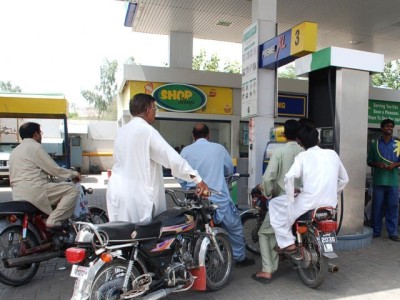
<point>384,159</point>
<point>274,185</point>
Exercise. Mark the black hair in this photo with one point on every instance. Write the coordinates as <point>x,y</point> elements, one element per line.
<point>387,121</point>
<point>27,130</point>
<point>308,136</point>
<point>140,103</point>
<point>291,128</point>
<point>200,131</point>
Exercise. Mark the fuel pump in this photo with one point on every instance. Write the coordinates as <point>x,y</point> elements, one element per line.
<point>277,139</point>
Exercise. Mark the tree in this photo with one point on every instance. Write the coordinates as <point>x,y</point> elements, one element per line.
<point>130,61</point>
<point>105,93</point>
<point>389,77</point>
<point>232,67</point>
<point>7,87</point>
<point>200,62</point>
<point>287,71</point>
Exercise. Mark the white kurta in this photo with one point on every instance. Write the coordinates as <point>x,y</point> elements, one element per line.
<point>136,184</point>
<point>323,176</point>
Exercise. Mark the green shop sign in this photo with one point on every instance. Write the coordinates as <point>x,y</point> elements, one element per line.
<point>380,110</point>
<point>179,97</point>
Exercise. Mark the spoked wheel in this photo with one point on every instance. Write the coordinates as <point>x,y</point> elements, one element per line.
<point>97,216</point>
<point>218,273</point>
<point>10,243</point>
<point>108,283</point>
<point>314,275</point>
<point>251,224</point>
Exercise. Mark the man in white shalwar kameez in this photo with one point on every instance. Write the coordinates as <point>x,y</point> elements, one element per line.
<point>135,190</point>
<point>323,176</point>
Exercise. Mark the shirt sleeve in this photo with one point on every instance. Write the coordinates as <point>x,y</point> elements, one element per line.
<point>162,153</point>
<point>270,175</point>
<point>228,165</point>
<point>294,172</point>
<point>343,177</point>
<point>47,164</point>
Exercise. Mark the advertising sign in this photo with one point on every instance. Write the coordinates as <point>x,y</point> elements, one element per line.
<point>286,47</point>
<point>292,105</point>
<point>380,110</point>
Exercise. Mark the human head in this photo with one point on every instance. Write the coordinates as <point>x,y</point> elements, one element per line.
<point>31,130</point>
<point>308,136</point>
<point>200,130</point>
<point>291,127</point>
<point>143,105</point>
<point>387,121</point>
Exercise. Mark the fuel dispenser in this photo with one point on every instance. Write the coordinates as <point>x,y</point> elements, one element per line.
<point>277,139</point>
<point>338,105</point>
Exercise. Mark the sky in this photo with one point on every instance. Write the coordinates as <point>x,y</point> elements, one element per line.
<point>54,46</point>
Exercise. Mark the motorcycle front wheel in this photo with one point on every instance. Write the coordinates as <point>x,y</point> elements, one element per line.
<point>97,215</point>
<point>251,224</point>
<point>218,273</point>
<point>108,282</point>
<point>10,244</point>
<point>314,275</point>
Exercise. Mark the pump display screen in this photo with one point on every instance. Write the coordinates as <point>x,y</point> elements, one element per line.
<point>326,136</point>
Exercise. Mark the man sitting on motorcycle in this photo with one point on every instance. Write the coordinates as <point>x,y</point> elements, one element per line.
<point>30,166</point>
<point>323,176</point>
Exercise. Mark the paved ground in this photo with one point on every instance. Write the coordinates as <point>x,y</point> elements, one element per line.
<point>370,273</point>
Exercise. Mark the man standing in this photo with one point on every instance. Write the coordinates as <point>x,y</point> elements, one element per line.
<point>136,188</point>
<point>214,163</point>
<point>30,166</point>
<point>274,185</point>
<point>384,158</point>
<point>323,177</point>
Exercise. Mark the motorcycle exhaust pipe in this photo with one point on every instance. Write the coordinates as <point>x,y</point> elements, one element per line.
<point>333,268</point>
<point>159,294</point>
<point>29,259</point>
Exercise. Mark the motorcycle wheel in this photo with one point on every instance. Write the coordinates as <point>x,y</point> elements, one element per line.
<point>107,284</point>
<point>251,225</point>
<point>218,273</point>
<point>97,216</point>
<point>9,248</point>
<point>314,275</point>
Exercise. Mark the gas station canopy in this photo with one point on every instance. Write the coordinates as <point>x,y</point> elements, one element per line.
<point>367,25</point>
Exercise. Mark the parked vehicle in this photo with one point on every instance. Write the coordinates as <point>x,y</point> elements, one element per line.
<point>178,250</point>
<point>5,151</point>
<point>25,242</point>
<point>315,232</point>
<point>253,218</point>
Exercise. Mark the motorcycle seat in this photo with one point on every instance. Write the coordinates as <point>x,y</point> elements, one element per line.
<point>18,207</point>
<point>119,230</point>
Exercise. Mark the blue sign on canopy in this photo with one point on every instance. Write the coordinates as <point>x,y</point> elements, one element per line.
<point>292,105</point>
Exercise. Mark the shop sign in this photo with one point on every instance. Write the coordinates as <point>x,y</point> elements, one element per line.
<point>179,97</point>
<point>286,47</point>
<point>292,105</point>
<point>380,110</point>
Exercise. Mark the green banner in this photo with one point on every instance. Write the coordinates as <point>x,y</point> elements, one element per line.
<point>379,110</point>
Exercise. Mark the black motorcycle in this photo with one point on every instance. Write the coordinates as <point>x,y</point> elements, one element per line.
<point>178,250</point>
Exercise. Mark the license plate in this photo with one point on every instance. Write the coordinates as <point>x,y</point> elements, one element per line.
<point>79,271</point>
<point>327,239</point>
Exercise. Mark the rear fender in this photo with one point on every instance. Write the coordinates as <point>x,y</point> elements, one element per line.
<point>4,224</point>
<point>251,211</point>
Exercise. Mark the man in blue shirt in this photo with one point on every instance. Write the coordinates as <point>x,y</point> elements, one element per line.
<point>213,162</point>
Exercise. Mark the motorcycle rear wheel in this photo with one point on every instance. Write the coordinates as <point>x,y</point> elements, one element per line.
<point>314,275</point>
<point>218,273</point>
<point>9,248</point>
<point>107,284</point>
<point>251,224</point>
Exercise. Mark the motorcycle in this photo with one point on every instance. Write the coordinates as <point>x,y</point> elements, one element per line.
<point>315,233</point>
<point>178,250</point>
<point>25,241</point>
<point>253,218</point>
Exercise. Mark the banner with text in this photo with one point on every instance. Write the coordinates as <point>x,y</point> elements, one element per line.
<point>379,110</point>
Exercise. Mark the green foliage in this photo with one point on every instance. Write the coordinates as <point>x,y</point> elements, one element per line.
<point>130,61</point>
<point>105,93</point>
<point>287,71</point>
<point>390,77</point>
<point>8,87</point>
<point>200,62</point>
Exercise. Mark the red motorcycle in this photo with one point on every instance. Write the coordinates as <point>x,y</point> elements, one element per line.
<point>25,242</point>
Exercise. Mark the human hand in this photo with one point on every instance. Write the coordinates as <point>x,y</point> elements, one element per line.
<point>202,189</point>
<point>77,178</point>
